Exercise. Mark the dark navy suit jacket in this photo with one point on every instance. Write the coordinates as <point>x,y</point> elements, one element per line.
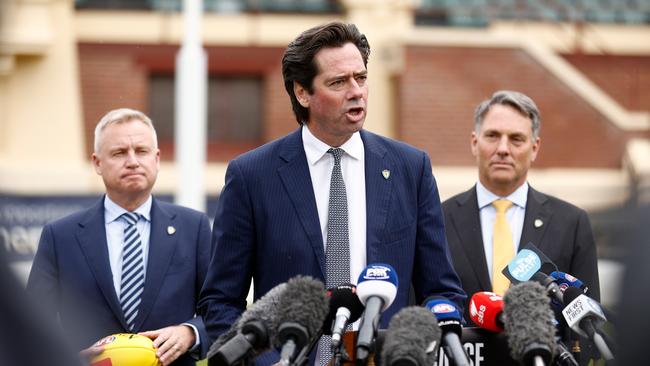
<point>72,276</point>
<point>267,226</point>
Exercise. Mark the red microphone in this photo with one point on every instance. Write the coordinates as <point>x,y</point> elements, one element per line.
<point>486,311</point>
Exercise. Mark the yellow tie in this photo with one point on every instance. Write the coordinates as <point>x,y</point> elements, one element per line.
<point>502,248</point>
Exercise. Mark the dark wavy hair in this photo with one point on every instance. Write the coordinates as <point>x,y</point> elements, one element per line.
<point>298,60</point>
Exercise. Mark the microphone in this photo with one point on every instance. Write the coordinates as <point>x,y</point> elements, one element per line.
<point>584,315</point>
<point>552,288</point>
<point>528,321</point>
<point>345,307</point>
<point>526,263</point>
<point>449,319</point>
<point>300,313</point>
<point>376,288</point>
<point>486,311</point>
<point>251,334</point>
<point>412,338</point>
<point>565,280</point>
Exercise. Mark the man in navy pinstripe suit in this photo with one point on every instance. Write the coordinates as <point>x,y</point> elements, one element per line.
<point>271,219</point>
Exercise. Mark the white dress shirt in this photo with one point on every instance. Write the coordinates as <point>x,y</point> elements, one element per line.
<point>115,239</point>
<point>515,215</point>
<point>353,170</point>
<point>115,236</point>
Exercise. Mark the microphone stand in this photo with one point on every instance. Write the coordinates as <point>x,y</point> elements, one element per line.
<point>340,355</point>
<point>303,355</point>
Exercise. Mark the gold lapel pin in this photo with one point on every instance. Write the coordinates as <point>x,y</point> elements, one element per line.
<point>538,223</point>
<point>385,173</point>
<point>171,230</point>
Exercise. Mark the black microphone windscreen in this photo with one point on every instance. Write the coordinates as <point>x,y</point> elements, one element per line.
<point>529,322</point>
<point>304,302</point>
<point>412,337</point>
<point>572,293</point>
<point>263,310</point>
<point>342,296</point>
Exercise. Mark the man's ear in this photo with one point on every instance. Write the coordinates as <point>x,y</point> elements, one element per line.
<point>97,164</point>
<point>301,94</point>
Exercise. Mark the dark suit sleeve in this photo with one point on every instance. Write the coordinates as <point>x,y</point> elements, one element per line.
<point>223,297</point>
<point>204,254</point>
<point>44,276</point>
<point>433,273</point>
<point>584,264</point>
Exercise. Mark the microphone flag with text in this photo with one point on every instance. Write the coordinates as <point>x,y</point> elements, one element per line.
<point>531,264</point>
<point>251,334</point>
<point>449,320</point>
<point>584,316</point>
<point>565,280</point>
<point>486,311</point>
<point>376,288</point>
<point>300,315</point>
<point>528,261</point>
<point>529,324</point>
<point>412,338</point>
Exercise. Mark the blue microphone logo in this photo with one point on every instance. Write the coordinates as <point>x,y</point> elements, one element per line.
<point>378,272</point>
<point>443,308</point>
<point>525,264</point>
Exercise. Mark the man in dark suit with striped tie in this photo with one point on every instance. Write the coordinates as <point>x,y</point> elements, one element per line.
<point>131,263</point>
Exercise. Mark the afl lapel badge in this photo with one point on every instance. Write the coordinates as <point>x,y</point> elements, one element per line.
<point>385,173</point>
<point>171,230</point>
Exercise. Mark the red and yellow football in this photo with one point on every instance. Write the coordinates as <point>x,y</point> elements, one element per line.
<point>125,349</point>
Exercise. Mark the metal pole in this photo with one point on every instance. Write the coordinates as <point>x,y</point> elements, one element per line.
<point>191,110</point>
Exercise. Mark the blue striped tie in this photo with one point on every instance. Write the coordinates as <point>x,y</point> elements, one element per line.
<point>132,269</point>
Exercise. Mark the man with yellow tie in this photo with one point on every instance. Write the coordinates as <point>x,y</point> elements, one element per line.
<point>488,223</point>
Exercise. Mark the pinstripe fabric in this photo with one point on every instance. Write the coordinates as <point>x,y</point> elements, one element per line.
<point>267,226</point>
<point>132,284</point>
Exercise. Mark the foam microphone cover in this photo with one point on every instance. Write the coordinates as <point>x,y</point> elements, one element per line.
<point>485,310</point>
<point>412,338</point>
<point>529,323</point>
<point>304,302</point>
<point>263,310</point>
<point>342,296</point>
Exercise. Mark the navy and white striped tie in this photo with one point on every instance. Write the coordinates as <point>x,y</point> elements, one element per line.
<point>132,283</point>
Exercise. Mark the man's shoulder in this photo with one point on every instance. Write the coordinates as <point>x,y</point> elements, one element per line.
<point>458,199</point>
<point>77,217</point>
<point>179,210</point>
<point>371,138</point>
<point>554,203</point>
<point>272,148</point>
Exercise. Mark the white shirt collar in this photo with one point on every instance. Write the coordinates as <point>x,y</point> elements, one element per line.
<point>113,211</point>
<point>519,197</point>
<point>315,149</point>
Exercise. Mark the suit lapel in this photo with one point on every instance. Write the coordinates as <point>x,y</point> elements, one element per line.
<point>92,241</point>
<point>378,192</point>
<point>297,182</point>
<point>536,220</point>
<point>162,245</point>
<point>467,224</point>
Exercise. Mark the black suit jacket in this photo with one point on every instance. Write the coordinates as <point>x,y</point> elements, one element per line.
<point>565,237</point>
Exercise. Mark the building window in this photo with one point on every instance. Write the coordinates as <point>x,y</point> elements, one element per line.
<point>234,113</point>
